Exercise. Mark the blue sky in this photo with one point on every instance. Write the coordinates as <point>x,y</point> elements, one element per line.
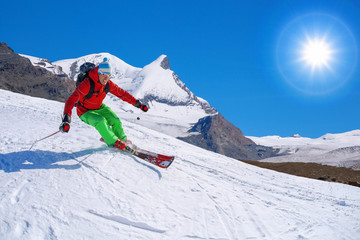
<point>243,57</point>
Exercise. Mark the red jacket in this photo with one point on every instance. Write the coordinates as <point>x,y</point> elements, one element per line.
<point>97,98</point>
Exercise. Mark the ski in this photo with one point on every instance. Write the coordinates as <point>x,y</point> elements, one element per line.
<point>159,160</point>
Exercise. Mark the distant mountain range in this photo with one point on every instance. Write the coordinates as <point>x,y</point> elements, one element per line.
<point>340,150</point>
<point>174,109</point>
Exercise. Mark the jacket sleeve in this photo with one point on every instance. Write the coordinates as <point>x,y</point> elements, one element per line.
<point>79,93</point>
<point>121,93</point>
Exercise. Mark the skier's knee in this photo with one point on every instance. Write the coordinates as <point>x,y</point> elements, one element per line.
<point>100,122</point>
<point>115,121</point>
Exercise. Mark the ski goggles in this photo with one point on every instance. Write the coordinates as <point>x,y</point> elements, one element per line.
<point>105,73</point>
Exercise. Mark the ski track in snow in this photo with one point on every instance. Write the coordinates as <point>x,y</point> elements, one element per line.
<point>72,186</point>
<point>128,222</point>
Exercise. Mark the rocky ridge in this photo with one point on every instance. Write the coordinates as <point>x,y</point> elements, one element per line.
<point>17,74</point>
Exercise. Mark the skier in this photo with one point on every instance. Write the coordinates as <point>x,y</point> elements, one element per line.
<point>94,112</point>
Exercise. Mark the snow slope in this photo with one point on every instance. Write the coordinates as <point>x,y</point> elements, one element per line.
<point>342,150</point>
<point>72,186</point>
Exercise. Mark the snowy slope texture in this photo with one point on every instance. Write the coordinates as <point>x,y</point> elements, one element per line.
<point>341,150</point>
<point>72,186</point>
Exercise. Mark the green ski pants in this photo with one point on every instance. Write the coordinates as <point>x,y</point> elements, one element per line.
<point>106,123</point>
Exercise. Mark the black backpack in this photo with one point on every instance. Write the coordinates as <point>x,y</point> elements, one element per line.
<point>84,73</point>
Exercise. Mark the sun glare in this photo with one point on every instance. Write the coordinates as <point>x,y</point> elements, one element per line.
<point>316,53</point>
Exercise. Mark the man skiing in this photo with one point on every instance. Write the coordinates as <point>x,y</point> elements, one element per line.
<point>92,111</point>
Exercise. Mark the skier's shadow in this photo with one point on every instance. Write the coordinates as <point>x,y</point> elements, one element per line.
<point>15,161</point>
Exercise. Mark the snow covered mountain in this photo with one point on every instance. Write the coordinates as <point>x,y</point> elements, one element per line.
<point>72,186</point>
<point>156,84</point>
<point>341,150</point>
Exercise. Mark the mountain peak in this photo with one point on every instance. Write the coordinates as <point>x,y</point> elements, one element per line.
<point>165,62</point>
<point>4,48</point>
<point>217,134</point>
<point>162,61</point>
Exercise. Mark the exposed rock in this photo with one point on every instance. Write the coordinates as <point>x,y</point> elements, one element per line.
<point>324,178</point>
<point>165,63</point>
<point>17,74</point>
<point>314,170</point>
<point>353,183</point>
<point>216,134</point>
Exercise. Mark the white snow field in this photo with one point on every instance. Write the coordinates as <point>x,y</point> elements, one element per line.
<point>340,150</point>
<point>72,186</point>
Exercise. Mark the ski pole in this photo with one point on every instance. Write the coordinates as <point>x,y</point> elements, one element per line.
<point>43,139</point>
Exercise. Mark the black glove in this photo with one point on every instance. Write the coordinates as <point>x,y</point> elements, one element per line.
<point>143,107</point>
<point>65,125</point>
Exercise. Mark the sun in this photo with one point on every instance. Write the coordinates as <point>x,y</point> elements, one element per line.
<point>317,53</point>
